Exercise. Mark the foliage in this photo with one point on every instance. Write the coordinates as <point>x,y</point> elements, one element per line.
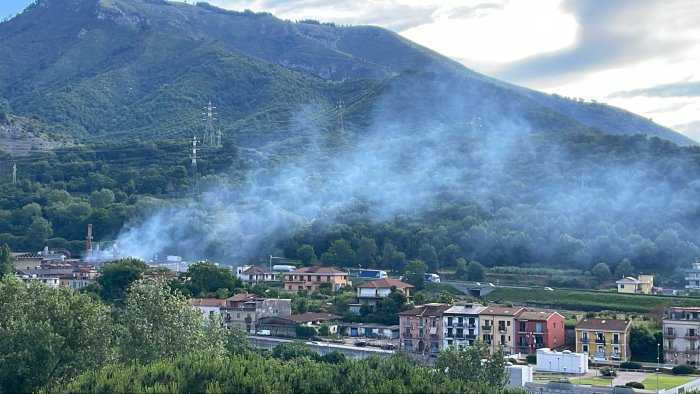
<point>643,345</point>
<point>204,279</point>
<point>7,264</point>
<point>468,364</point>
<point>49,336</point>
<point>334,357</point>
<point>256,373</point>
<point>601,272</point>
<point>531,358</point>
<point>476,271</point>
<point>635,385</point>
<point>415,274</point>
<point>116,277</point>
<point>291,350</point>
<point>683,369</point>
<point>304,332</point>
<point>157,323</point>
<point>630,365</point>
<point>608,371</point>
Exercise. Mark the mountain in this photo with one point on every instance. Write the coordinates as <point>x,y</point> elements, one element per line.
<point>146,67</point>
<point>347,144</point>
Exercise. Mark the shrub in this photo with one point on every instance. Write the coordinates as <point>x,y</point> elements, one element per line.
<point>608,371</point>
<point>631,365</point>
<point>531,358</point>
<point>635,385</point>
<point>683,369</point>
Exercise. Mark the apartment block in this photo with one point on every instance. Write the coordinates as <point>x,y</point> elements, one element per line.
<point>681,329</point>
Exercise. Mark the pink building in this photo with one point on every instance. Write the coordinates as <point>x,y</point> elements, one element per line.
<point>536,330</point>
<point>421,328</point>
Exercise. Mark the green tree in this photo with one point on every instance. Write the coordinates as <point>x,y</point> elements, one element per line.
<point>601,272</point>
<point>427,253</point>
<point>158,323</point>
<point>415,274</point>
<point>48,335</point>
<point>7,263</point>
<point>306,254</point>
<point>39,232</point>
<point>476,271</point>
<point>366,252</point>
<point>473,364</point>
<point>292,350</point>
<point>625,268</point>
<point>116,277</point>
<point>205,278</point>
<point>339,254</point>
<point>642,344</point>
<point>101,198</point>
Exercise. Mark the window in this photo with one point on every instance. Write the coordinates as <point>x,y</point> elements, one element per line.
<point>238,315</point>
<point>449,321</point>
<point>538,327</point>
<point>508,323</point>
<point>584,348</point>
<point>522,326</point>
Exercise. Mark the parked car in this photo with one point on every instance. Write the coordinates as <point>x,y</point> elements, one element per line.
<point>263,332</point>
<point>389,346</point>
<point>361,343</point>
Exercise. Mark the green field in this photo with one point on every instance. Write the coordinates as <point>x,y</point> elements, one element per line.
<point>588,300</point>
<point>666,381</point>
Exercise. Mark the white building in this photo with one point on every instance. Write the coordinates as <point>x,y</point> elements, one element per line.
<point>518,375</point>
<point>252,274</point>
<point>692,276</point>
<point>561,362</point>
<point>681,329</point>
<point>460,325</point>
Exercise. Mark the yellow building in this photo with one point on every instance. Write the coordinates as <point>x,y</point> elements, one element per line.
<point>309,278</point>
<point>498,327</point>
<point>604,339</point>
<point>643,284</point>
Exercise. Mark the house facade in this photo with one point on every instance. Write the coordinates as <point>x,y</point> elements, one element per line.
<point>285,325</point>
<point>681,329</point>
<point>373,291</point>
<point>640,285</point>
<point>604,339</point>
<point>460,325</point>
<point>210,307</point>
<point>692,277</point>
<point>498,327</point>
<point>538,330</point>
<point>251,274</point>
<point>244,310</point>
<point>310,278</point>
<point>421,328</point>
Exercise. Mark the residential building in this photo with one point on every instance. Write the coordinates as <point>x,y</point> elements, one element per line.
<point>460,325</point>
<point>309,278</point>
<point>50,281</point>
<point>692,277</point>
<point>538,330</point>
<point>681,329</point>
<point>370,330</point>
<point>373,291</point>
<point>640,285</point>
<point>285,325</point>
<point>498,327</point>
<point>421,328</point>
<point>561,362</point>
<point>244,310</point>
<point>252,275</point>
<point>209,307</point>
<point>604,339</point>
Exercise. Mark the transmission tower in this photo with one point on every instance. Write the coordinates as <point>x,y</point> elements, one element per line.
<point>340,106</point>
<point>218,137</point>
<point>209,119</point>
<point>14,173</point>
<point>193,156</point>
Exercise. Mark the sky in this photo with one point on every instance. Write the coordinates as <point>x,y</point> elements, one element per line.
<point>640,55</point>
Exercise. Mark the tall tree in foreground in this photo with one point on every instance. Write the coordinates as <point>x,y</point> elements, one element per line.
<point>7,263</point>
<point>48,335</point>
<point>158,323</point>
<point>473,364</point>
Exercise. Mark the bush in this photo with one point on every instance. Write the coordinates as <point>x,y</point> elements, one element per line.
<point>630,365</point>
<point>683,369</point>
<point>608,371</point>
<point>635,385</point>
<point>531,358</point>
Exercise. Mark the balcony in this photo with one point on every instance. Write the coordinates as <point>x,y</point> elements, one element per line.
<point>615,356</point>
<point>670,335</point>
<point>692,335</point>
<point>539,345</point>
<point>472,337</point>
<point>692,351</point>
<point>406,335</point>
<point>584,339</point>
<point>486,328</point>
<point>600,340</point>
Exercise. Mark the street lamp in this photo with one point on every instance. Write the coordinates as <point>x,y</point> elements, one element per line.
<point>657,380</point>
<point>558,370</point>
<point>550,367</point>
<point>579,375</point>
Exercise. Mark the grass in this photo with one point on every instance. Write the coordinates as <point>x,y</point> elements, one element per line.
<point>665,381</point>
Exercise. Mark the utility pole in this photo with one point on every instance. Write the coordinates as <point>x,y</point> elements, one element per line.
<point>340,106</point>
<point>193,156</point>
<point>209,124</point>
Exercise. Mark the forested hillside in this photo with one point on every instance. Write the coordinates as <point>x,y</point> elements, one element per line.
<point>422,159</point>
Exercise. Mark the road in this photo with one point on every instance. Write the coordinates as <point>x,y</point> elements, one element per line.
<point>322,347</point>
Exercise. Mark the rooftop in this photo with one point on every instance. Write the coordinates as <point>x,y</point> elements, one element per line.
<point>537,315</point>
<point>501,310</point>
<point>472,309</point>
<point>426,310</point>
<point>214,302</point>
<point>385,283</point>
<point>311,317</point>
<point>317,269</point>
<point>603,324</point>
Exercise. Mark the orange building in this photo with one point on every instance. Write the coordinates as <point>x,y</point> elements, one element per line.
<point>309,278</point>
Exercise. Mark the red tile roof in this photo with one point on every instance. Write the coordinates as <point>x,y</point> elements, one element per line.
<point>385,283</point>
<point>502,311</point>
<point>537,315</point>
<point>317,269</point>
<point>215,302</point>
<point>243,297</point>
<point>427,310</point>
<point>252,270</point>
<point>604,324</point>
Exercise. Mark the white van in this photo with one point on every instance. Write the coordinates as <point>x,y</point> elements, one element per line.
<point>263,332</point>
